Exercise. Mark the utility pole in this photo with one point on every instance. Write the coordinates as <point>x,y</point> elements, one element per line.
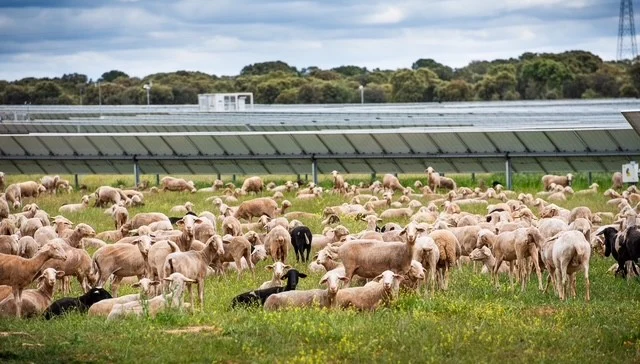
<point>627,29</point>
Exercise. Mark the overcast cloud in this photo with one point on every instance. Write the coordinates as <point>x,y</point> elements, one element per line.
<point>48,38</point>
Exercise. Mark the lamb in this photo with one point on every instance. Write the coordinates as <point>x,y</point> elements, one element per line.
<point>177,184</point>
<point>278,269</point>
<point>301,239</point>
<point>571,253</point>
<point>34,301</point>
<point>277,242</point>
<point>231,226</point>
<point>120,216</point>
<point>252,298</point>
<point>182,209</point>
<point>104,307</point>
<point>256,208</point>
<point>19,272</point>
<point>369,258</point>
<point>391,182</point>
<point>563,181</point>
<point>591,191</point>
<point>155,304</point>
<point>260,225</point>
<point>428,254</point>
<point>31,189</point>
<point>234,249</point>
<point>79,232</point>
<point>310,298</point>
<point>252,184</point>
<point>114,235</point>
<point>122,260</point>
<point>258,254</point>
<point>373,294</point>
<point>448,183</point>
<point>411,280</point>
<point>79,304</point>
<point>485,256</point>
<point>193,265</point>
<point>447,244</point>
<point>74,208</point>
<point>433,179</point>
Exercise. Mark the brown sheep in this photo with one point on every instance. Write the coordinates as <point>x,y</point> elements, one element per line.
<point>278,240</point>
<point>256,208</point>
<point>13,195</point>
<point>391,182</point>
<point>447,245</point>
<point>253,184</point>
<point>31,189</point>
<point>177,184</point>
<point>616,181</point>
<point>563,181</point>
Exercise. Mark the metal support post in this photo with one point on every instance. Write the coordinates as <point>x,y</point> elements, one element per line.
<point>473,177</point>
<point>314,170</point>
<point>77,182</point>
<point>508,173</point>
<point>590,178</point>
<point>136,171</point>
<point>157,180</point>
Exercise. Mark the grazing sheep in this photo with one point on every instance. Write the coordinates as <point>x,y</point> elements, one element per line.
<point>120,216</point>
<point>485,256</point>
<point>277,241</point>
<point>278,269</point>
<point>122,260</point>
<point>378,292</point>
<point>34,301</point>
<point>193,265</point>
<point>31,189</point>
<point>391,182</point>
<point>19,272</point>
<point>154,305</point>
<point>176,184</point>
<point>301,239</point>
<point>9,244</point>
<point>78,304</point>
<point>252,184</point>
<point>616,181</point>
<point>50,183</point>
<point>571,253</point>
<point>563,181</point>
<point>28,247</point>
<point>231,226</point>
<point>73,208</point>
<point>256,208</point>
<point>252,298</point>
<point>77,263</point>
<point>106,195</point>
<point>310,298</point>
<point>13,196</point>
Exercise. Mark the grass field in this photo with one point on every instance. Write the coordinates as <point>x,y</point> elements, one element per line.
<point>471,322</point>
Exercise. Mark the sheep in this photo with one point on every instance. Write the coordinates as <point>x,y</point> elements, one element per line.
<point>616,181</point>
<point>582,225</point>
<point>448,183</point>
<point>433,179</point>
<point>278,269</point>
<point>624,245</point>
<point>231,226</point>
<point>310,298</point>
<point>104,307</point>
<point>4,207</point>
<point>549,227</point>
<point>329,236</point>
<point>391,182</point>
<point>50,183</point>
<point>77,263</point>
<point>252,298</point>
<point>106,195</point>
<point>34,301</point>
<point>277,241</point>
<point>338,182</point>
<point>258,254</point>
<point>182,209</point>
<point>147,218</point>
<point>28,247</point>
<point>256,208</point>
<point>122,260</point>
<point>485,256</point>
<point>114,235</point>
<point>518,245</point>
<point>80,304</point>
<point>563,181</point>
<point>31,189</point>
<point>397,213</point>
<point>19,272</point>
<point>30,226</point>
<point>204,230</point>
<point>284,206</point>
<point>591,191</point>
<point>74,208</point>
<point>236,248</point>
<point>79,232</point>
<point>9,244</point>
<point>428,254</point>
<point>155,304</point>
<point>369,258</point>
<point>411,280</point>
<point>280,221</point>
<point>13,195</point>
<point>193,265</point>
<point>447,244</point>
<point>176,184</point>
<point>373,294</point>
<point>301,239</point>
<point>571,253</point>
<point>252,184</point>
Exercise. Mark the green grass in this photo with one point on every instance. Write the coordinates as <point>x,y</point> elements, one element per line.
<point>471,322</point>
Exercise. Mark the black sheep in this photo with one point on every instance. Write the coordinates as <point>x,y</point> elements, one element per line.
<point>301,240</point>
<point>626,249</point>
<point>79,304</point>
<point>260,295</point>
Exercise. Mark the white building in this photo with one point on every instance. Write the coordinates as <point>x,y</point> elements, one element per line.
<point>240,101</point>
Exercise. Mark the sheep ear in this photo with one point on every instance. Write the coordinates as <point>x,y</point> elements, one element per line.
<point>154,283</point>
<point>180,222</point>
<point>403,231</point>
<point>302,275</point>
<point>269,267</point>
<point>136,285</point>
<point>376,279</point>
<point>190,280</point>
<point>287,266</point>
<point>315,256</point>
<point>323,280</point>
<point>198,221</point>
<point>168,279</point>
<point>344,279</point>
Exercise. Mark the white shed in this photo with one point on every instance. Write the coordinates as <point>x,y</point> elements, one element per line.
<point>225,102</point>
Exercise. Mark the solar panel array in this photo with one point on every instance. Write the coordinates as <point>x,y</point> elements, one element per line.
<point>466,137</point>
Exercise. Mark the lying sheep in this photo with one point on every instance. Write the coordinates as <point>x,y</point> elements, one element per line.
<point>182,209</point>
<point>278,269</point>
<point>78,304</point>
<point>177,184</point>
<point>563,181</point>
<point>34,301</point>
<point>73,208</point>
<point>380,291</point>
<point>309,298</point>
<point>147,218</point>
<point>104,307</point>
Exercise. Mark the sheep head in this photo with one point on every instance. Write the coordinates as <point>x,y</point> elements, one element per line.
<point>332,280</point>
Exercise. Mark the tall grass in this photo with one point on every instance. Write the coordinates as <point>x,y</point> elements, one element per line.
<point>472,321</point>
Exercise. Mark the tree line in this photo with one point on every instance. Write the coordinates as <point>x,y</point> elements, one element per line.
<point>532,76</point>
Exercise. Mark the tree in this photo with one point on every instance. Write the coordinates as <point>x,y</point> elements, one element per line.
<point>46,93</point>
<point>264,68</point>
<point>541,75</point>
<point>112,75</point>
<point>443,72</point>
<point>335,93</point>
<point>407,86</point>
<point>15,95</point>
<point>350,71</point>
<point>456,90</point>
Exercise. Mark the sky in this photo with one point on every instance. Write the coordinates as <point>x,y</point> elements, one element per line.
<point>48,38</point>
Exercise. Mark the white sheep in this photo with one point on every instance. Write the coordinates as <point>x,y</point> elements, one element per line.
<point>182,209</point>
<point>378,292</point>
<point>104,307</point>
<point>278,269</point>
<point>309,298</point>
<point>77,207</point>
<point>571,253</point>
<point>169,183</point>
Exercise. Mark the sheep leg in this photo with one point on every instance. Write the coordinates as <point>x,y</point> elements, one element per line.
<point>572,279</point>
<point>17,294</point>
<point>201,293</point>
<point>496,267</point>
<point>190,285</point>
<point>115,285</point>
<point>587,283</point>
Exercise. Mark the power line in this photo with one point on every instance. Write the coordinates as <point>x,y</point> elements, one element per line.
<point>627,29</point>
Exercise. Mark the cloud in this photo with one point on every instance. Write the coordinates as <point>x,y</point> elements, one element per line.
<point>50,38</point>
